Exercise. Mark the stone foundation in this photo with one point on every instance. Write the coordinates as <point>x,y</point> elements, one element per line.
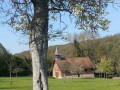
<point>81,76</point>
<point>72,76</point>
<point>116,77</point>
<point>87,76</point>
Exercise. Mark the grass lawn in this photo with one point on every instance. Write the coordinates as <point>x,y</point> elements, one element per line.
<point>25,83</point>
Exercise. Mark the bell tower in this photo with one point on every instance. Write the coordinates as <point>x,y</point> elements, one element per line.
<point>57,55</point>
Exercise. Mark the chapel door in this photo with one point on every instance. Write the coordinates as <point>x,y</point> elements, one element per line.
<point>57,74</point>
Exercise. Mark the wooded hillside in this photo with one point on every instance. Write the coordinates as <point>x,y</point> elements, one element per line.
<point>108,46</point>
<point>2,49</point>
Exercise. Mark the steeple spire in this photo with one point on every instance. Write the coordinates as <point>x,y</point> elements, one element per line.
<point>57,55</point>
<point>56,51</point>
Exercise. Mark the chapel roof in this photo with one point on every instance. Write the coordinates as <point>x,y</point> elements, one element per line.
<point>83,62</point>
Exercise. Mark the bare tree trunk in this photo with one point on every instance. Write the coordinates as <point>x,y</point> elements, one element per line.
<point>10,76</point>
<point>39,44</point>
<point>106,81</point>
<point>101,74</point>
<point>104,75</point>
<point>16,74</point>
<point>64,76</point>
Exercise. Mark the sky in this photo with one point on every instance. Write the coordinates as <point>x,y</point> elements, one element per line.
<point>16,43</point>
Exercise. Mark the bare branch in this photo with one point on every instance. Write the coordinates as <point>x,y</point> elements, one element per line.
<point>16,2</point>
<point>58,9</point>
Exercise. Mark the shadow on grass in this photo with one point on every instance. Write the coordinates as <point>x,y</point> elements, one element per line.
<point>115,85</point>
<point>17,88</point>
<point>1,88</point>
<point>82,81</point>
<point>87,78</point>
<point>27,79</point>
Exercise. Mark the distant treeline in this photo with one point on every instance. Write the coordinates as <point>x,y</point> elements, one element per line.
<point>14,64</point>
<point>96,49</point>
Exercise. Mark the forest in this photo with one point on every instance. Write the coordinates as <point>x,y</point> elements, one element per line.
<point>14,65</point>
<point>97,49</point>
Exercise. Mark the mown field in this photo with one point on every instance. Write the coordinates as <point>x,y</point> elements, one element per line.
<point>25,83</point>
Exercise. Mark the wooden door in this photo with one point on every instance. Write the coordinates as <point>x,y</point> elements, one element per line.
<point>57,74</point>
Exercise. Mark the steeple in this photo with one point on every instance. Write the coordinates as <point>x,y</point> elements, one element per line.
<point>56,51</point>
<point>57,55</point>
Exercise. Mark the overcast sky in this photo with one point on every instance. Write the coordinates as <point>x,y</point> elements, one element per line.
<point>16,43</point>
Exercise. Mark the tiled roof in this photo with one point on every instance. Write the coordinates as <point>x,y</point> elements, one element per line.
<point>83,62</point>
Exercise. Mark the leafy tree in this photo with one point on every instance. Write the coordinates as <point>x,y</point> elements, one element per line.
<point>26,64</point>
<point>83,36</point>
<point>10,64</point>
<point>108,66</point>
<point>22,63</point>
<point>18,70</point>
<point>77,50</point>
<point>3,66</point>
<point>31,17</point>
<point>99,69</point>
<point>94,50</point>
<point>118,67</point>
<point>5,59</point>
<point>3,50</point>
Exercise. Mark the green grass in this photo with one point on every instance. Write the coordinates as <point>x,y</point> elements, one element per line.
<point>20,83</point>
<point>25,83</point>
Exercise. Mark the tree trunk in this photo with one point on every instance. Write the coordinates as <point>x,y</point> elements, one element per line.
<point>104,75</point>
<point>106,81</point>
<point>39,44</point>
<point>101,75</point>
<point>10,75</point>
<point>16,76</point>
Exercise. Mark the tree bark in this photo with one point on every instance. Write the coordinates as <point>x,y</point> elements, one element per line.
<point>106,81</point>
<point>10,75</point>
<point>16,74</point>
<point>39,44</point>
<point>104,75</point>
